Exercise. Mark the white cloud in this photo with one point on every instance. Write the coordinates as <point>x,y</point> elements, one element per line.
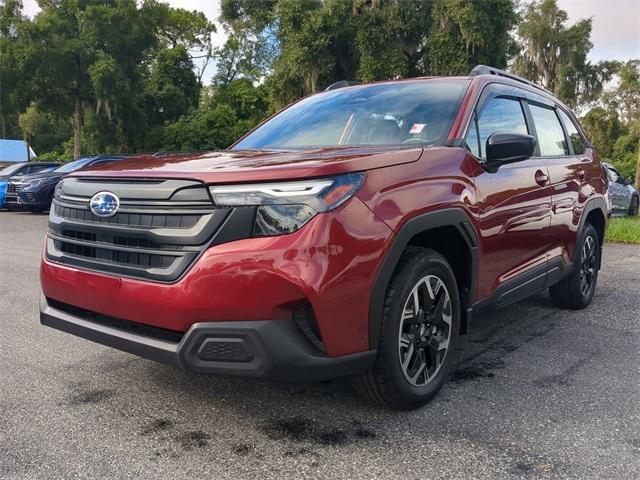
<point>616,26</point>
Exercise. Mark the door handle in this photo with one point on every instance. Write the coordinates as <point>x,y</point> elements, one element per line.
<point>541,178</point>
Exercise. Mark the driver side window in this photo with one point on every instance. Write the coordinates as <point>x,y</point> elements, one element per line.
<point>497,115</point>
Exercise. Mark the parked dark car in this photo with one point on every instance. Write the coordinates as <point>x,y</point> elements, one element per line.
<point>19,169</point>
<point>34,192</point>
<point>625,199</point>
<point>357,232</point>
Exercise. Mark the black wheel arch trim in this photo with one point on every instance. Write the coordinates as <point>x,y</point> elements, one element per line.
<point>451,217</point>
<point>591,205</point>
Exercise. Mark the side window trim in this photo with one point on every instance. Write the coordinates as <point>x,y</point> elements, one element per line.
<point>489,92</point>
<point>567,137</point>
<point>585,142</point>
<point>553,108</point>
<point>531,126</point>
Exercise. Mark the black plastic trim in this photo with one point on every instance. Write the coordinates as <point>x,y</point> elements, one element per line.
<point>277,348</point>
<point>594,204</point>
<point>524,285</point>
<point>455,217</point>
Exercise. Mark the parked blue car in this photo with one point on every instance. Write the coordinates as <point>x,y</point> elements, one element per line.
<point>19,169</point>
<point>34,192</point>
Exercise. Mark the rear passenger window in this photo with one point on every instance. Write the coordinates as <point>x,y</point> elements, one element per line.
<point>497,115</point>
<point>551,138</point>
<point>574,135</point>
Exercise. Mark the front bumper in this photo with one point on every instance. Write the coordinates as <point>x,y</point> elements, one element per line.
<point>327,267</point>
<point>268,348</point>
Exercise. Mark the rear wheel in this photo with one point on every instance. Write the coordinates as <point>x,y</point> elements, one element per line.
<point>634,206</point>
<point>418,334</point>
<point>577,291</point>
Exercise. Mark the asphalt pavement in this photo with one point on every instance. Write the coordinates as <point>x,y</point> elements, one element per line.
<point>537,392</point>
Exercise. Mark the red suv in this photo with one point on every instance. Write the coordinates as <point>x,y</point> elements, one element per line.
<point>357,232</point>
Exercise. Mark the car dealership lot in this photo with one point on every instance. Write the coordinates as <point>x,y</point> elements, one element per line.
<point>537,393</point>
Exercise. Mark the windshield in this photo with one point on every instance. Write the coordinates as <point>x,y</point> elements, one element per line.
<point>10,169</point>
<point>412,112</point>
<point>75,165</point>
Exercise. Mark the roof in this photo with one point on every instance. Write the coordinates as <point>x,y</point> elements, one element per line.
<point>15,151</point>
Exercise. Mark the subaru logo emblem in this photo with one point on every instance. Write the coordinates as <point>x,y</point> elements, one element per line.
<point>104,204</point>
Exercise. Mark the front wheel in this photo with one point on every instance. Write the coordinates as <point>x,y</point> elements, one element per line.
<point>577,291</point>
<point>634,206</point>
<point>418,334</point>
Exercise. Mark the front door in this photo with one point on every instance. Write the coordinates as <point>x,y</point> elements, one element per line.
<point>513,207</point>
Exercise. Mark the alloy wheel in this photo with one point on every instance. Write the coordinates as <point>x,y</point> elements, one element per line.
<point>587,265</point>
<point>425,330</point>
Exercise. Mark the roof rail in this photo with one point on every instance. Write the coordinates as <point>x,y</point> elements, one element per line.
<point>342,84</point>
<point>485,70</point>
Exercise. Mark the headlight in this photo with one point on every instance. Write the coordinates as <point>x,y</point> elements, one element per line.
<point>31,183</point>
<point>284,207</point>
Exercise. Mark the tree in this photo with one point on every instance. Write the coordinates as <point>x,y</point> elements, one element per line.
<point>555,55</point>
<point>87,54</point>
<point>226,113</point>
<point>14,94</point>
<point>465,34</point>
<point>320,42</point>
<point>188,29</point>
<point>603,127</point>
<point>44,131</point>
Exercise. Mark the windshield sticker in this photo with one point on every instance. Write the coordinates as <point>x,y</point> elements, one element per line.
<point>417,128</point>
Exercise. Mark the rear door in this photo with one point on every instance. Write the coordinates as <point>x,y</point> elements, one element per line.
<point>568,166</point>
<point>513,204</point>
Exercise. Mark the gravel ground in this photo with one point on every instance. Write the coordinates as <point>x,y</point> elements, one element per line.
<point>536,393</point>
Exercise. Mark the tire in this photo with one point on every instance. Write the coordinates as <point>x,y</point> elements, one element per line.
<point>634,206</point>
<point>410,337</point>
<point>576,292</point>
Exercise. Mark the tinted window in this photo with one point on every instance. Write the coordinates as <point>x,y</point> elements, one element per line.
<point>11,169</point>
<point>614,175</point>
<point>75,165</point>
<point>39,168</point>
<point>550,134</point>
<point>499,115</point>
<point>384,114</point>
<point>472,138</point>
<point>574,135</point>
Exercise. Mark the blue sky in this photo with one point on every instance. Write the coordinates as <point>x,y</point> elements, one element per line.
<point>615,34</point>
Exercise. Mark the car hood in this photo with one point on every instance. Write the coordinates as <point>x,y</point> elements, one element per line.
<point>34,176</point>
<point>256,165</point>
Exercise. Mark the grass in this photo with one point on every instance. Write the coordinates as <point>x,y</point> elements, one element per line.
<point>624,230</point>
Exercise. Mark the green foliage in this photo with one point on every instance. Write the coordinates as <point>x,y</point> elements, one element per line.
<point>614,126</point>
<point>172,88</point>
<point>321,42</point>
<point>555,55</point>
<point>225,115</point>
<point>44,131</point>
<point>97,76</point>
<point>624,230</point>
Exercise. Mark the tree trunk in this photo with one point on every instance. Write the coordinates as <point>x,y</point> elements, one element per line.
<point>638,170</point>
<point>77,129</point>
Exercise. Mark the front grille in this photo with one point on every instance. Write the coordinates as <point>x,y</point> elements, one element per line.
<point>129,219</point>
<point>153,236</point>
<point>13,188</point>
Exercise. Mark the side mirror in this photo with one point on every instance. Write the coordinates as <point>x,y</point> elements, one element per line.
<point>625,181</point>
<point>503,147</point>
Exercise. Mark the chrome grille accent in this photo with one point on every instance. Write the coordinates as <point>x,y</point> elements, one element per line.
<point>158,232</point>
